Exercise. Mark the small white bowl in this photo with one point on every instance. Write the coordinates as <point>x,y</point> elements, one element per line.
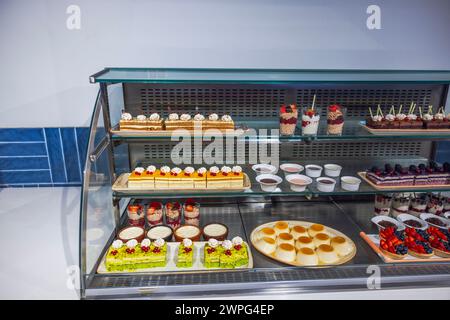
<point>313,170</point>
<point>445,221</point>
<point>447,215</point>
<point>350,183</point>
<point>332,170</point>
<point>264,169</point>
<point>377,219</point>
<point>295,168</point>
<point>269,187</point>
<point>325,187</point>
<point>299,187</point>
<point>405,216</point>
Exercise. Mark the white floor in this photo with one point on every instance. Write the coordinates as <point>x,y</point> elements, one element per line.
<point>39,227</point>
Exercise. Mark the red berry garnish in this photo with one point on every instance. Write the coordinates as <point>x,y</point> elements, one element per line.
<point>228,252</point>
<point>156,250</point>
<point>145,249</point>
<point>210,250</point>
<point>187,250</point>
<point>130,251</point>
<point>238,247</point>
<point>114,252</point>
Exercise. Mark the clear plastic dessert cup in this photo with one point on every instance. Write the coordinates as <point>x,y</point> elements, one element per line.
<point>173,214</point>
<point>288,120</point>
<point>191,210</point>
<point>155,213</point>
<point>136,215</point>
<point>310,121</point>
<point>335,119</point>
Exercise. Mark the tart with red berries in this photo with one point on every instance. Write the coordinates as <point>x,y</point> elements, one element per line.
<point>417,242</point>
<point>391,243</point>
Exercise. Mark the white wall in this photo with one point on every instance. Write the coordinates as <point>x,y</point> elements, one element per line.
<point>45,66</point>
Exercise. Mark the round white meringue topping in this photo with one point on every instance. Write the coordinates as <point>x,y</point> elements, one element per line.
<point>227,244</point>
<point>226,117</point>
<point>377,118</point>
<point>173,116</point>
<point>439,116</point>
<point>132,243</point>
<point>213,117</point>
<point>390,117</point>
<point>117,244</point>
<point>213,243</point>
<point>154,117</point>
<point>185,117</point>
<point>401,116</point>
<point>411,116</point>
<point>151,169</point>
<point>225,169</point>
<point>139,170</point>
<point>187,242</point>
<point>189,170</point>
<point>165,169</point>
<point>237,241</point>
<point>159,242</point>
<point>201,170</point>
<point>176,170</point>
<point>199,117</point>
<point>126,116</point>
<point>141,117</point>
<point>214,169</point>
<point>428,116</point>
<point>146,243</point>
<point>237,169</point>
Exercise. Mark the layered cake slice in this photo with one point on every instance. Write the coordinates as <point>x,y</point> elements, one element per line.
<point>216,180</point>
<point>162,177</point>
<point>436,174</point>
<point>236,177</point>
<point>199,178</point>
<point>421,175</point>
<point>141,178</point>
<point>239,251</point>
<point>178,180</point>
<point>141,122</point>
<point>173,122</point>
<point>213,122</point>
<point>212,252</point>
<point>228,256</point>
<point>185,256</point>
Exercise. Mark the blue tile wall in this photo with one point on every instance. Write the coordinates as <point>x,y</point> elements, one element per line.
<point>42,157</point>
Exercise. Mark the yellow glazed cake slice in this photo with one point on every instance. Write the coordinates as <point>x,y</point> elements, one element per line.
<point>199,178</point>
<point>216,179</point>
<point>162,177</point>
<point>236,178</point>
<point>136,178</point>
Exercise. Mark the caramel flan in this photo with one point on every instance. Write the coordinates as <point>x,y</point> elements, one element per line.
<point>307,257</point>
<point>285,252</point>
<point>341,245</point>
<point>315,229</point>
<point>321,238</point>
<point>267,232</point>
<point>267,245</point>
<point>304,242</point>
<point>327,254</point>
<point>281,227</point>
<point>285,238</point>
<point>299,231</point>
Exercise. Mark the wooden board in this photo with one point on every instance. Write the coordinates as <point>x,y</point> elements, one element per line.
<point>121,185</point>
<point>373,241</point>
<point>331,232</point>
<point>172,252</point>
<point>362,174</point>
<point>403,131</point>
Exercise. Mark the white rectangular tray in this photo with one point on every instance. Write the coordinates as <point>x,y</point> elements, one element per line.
<point>172,252</point>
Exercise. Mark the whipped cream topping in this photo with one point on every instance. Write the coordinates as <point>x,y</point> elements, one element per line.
<point>213,117</point>
<point>390,117</point>
<point>199,117</point>
<point>237,169</point>
<point>400,116</point>
<point>226,117</point>
<point>439,116</point>
<point>154,117</point>
<point>189,170</point>
<point>141,117</point>
<point>411,116</point>
<point>213,243</point>
<point>146,243</point>
<point>159,242</point>
<point>227,244</point>
<point>225,169</point>
<point>117,244</point>
<point>139,170</point>
<point>165,169</point>
<point>377,118</point>
<point>306,117</point>
<point>214,169</point>
<point>185,117</point>
<point>132,243</point>
<point>176,170</point>
<point>428,116</point>
<point>173,116</point>
<point>151,169</point>
<point>201,170</point>
<point>237,241</point>
<point>126,116</point>
<point>187,243</point>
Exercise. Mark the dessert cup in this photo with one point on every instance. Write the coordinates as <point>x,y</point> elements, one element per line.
<point>332,170</point>
<point>216,231</point>
<point>291,168</point>
<point>350,183</point>
<point>155,213</point>
<point>310,121</point>
<point>435,220</point>
<point>298,182</point>
<point>161,231</point>
<point>383,222</point>
<point>268,182</point>
<point>173,214</point>
<point>191,210</point>
<point>136,215</point>
<point>382,204</point>
<point>131,232</point>
<point>264,169</point>
<point>326,184</point>
<point>335,119</point>
<point>313,171</point>
<point>408,219</point>
<point>187,232</point>
<point>288,119</point>
<point>399,205</point>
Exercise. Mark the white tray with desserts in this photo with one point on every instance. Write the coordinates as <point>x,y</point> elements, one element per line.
<point>171,261</point>
<point>303,243</point>
<point>121,185</point>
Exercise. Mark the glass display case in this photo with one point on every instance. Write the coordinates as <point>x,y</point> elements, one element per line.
<point>253,99</point>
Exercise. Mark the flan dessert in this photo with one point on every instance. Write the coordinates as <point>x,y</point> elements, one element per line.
<point>341,246</point>
<point>315,229</point>
<point>267,245</point>
<point>304,242</point>
<point>141,122</point>
<point>267,233</point>
<point>327,254</point>
<point>285,238</point>
<point>281,227</point>
<point>321,238</point>
<point>307,257</point>
<point>285,252</point>
<point>299,231</point>
<point>185,256</point>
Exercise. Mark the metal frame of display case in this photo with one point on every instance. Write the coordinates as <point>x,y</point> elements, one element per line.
<point>260,91</point>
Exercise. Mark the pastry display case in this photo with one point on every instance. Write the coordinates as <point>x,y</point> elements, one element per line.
<point>319,177</point>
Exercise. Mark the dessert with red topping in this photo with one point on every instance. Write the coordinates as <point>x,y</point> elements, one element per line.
<point>136,214</point>
<point>310,121</point>
<point>382,204</point>
<point>173,214</point>
<point>185,256</point>
<point>392,243</point>
<point>335,119</point>
<point>191,212</point>
<point>288,119</point>
<point>154,213</point>
<point>211,253</point>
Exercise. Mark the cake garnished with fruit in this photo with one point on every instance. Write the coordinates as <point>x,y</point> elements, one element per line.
<point>185,255</point>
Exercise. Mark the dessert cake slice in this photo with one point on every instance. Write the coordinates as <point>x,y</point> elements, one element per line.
<point>162,177</point>
<point>141,179</point>
<point>199,178</point>
<point>216,180</point>
<point>213,122</point>
<point>141,122</point>
<point>236,178</point>
<point>212,252</point>
<point>185,256</point>
<point>174,122</point>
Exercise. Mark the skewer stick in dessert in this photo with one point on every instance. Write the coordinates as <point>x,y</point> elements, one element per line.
<point>310,119</point>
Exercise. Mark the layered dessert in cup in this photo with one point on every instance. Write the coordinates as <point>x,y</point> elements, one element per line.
<point>418,205</point>
<point>310,121</point>
<point>191,211</point>
<point>288,119</point>
<point>335,119</point>
<point>154,213</point>
<point>435,204</point>
<point>173,214</point>
<point>400,205</point>
<point>382,204</point>
<point>136,215</point>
